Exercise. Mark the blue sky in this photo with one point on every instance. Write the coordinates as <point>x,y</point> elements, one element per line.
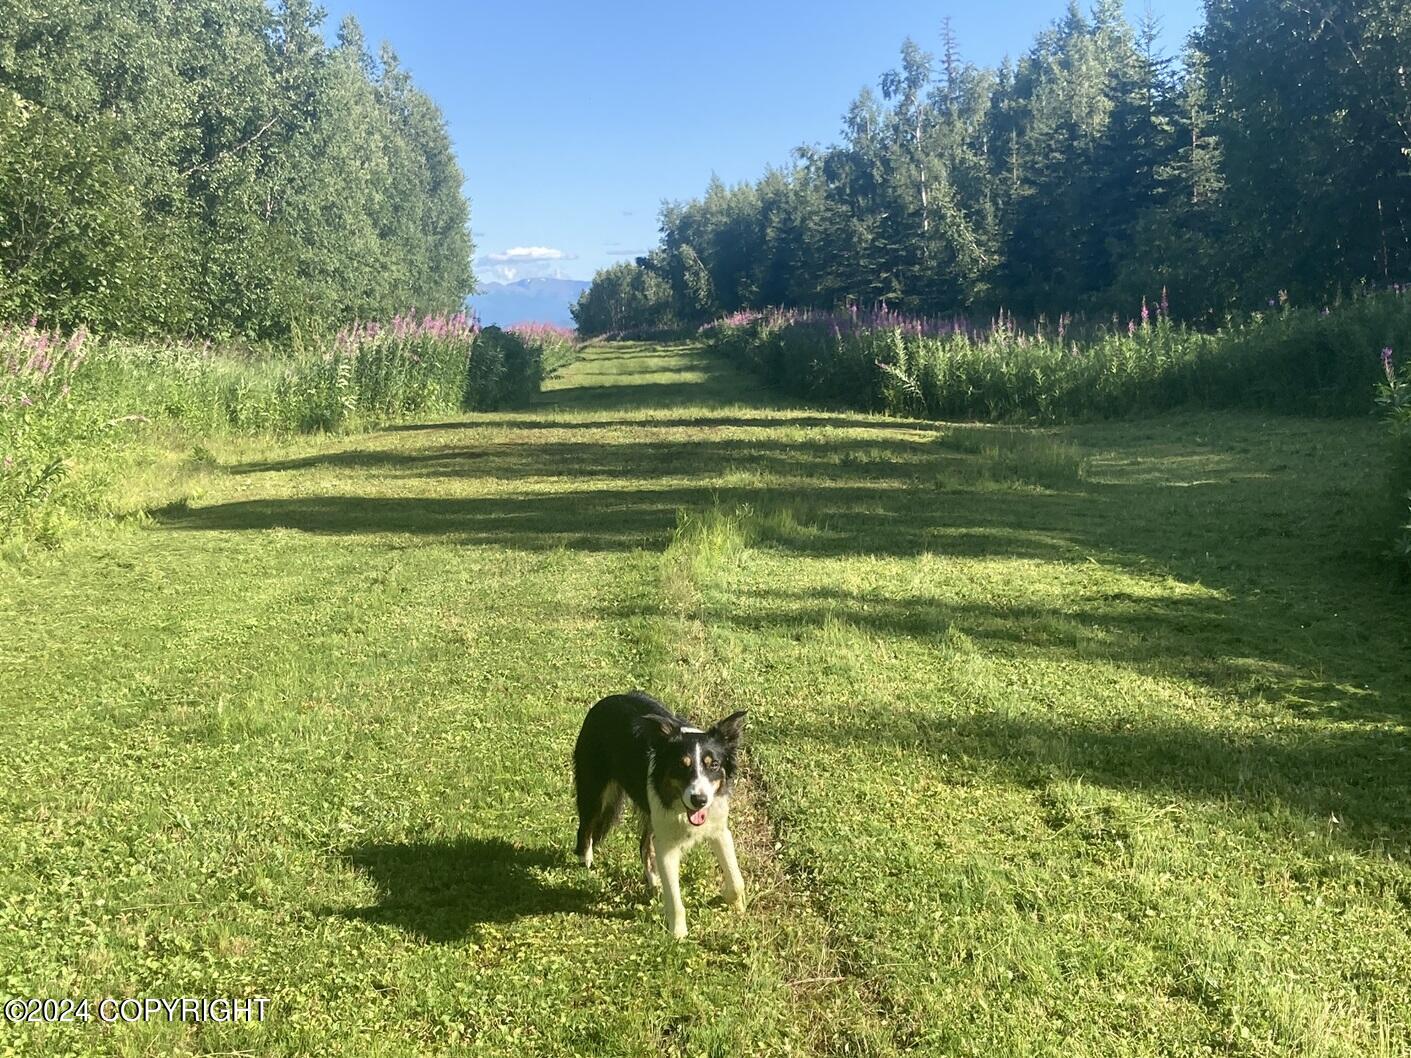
<point>573,121</point>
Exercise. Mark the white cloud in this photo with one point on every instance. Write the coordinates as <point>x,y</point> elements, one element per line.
<point>526,254</point>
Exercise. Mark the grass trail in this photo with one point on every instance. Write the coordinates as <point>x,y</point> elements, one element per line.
<point>1087,741</point>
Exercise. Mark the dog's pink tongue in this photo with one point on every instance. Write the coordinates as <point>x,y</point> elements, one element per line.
<point>697,817</point>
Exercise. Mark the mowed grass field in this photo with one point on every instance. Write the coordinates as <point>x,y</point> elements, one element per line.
<point>1082,741</point>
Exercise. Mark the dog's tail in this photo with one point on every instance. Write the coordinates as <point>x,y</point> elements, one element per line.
<point>600,805</point>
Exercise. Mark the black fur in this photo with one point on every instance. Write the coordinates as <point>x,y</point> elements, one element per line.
<point>632,740</point>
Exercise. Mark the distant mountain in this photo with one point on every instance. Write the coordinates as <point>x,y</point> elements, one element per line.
<point>527,301</point>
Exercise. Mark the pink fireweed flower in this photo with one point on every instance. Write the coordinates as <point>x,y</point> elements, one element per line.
<point>1146,313</point>
<point>1131,327</point>
<point>1165,305</point>
<point>542,332</point>
<point>1388,365</point>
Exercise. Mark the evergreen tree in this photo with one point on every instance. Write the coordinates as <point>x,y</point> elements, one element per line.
<point>1089,174</point>
<point>1312,120</point>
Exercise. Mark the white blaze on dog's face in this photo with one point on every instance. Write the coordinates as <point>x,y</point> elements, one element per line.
<point>700,789</point>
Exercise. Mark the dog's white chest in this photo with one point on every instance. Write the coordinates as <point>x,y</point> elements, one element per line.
<point>671,828</point>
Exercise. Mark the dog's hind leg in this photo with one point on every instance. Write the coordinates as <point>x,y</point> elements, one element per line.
<point>732,884</point>
<point>584,848</point>
<point>649,856</point>
<point>590,789</point>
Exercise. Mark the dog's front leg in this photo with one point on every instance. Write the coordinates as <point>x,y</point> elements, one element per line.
<point>732,884</point>
<point>669,864</point>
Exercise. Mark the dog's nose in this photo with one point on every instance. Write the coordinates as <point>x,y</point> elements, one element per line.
<point>698,800</point>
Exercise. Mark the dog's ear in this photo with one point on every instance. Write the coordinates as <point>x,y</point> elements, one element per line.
<point>653,726</point>
<point>731,728</point>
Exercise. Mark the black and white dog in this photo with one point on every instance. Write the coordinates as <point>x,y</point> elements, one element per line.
<point>678,776</point>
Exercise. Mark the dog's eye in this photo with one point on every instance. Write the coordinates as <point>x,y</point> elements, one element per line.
<point>709,762</point>
<point>686,761</point>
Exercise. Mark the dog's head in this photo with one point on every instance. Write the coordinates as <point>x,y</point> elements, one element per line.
<point>693,767</point>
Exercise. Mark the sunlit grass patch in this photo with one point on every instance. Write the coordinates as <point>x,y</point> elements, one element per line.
<point>1005,455</point>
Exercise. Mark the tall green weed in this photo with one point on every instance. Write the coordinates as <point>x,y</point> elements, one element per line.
<point>65,399</point>
<point>1287,359</point>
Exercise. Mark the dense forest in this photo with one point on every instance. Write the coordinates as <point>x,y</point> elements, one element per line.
<point>216,168</point>
<point>1271,160</point>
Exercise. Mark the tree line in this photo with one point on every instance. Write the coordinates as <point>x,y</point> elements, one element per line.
<point>1271,160</point>
<point>217,168</point>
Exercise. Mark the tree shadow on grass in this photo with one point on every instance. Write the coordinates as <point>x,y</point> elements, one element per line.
<point>694,367</point>
<point>444,891</point>
<point>1349,784</point>
<point>1265,624</point>
<point>850,520</point>
<point>830,461</point>
<point>742,421</point>
<point>643,396</point>
<point>1206,638</point>
<point>718,386</point>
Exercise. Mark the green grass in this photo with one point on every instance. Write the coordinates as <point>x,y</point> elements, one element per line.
<point>1080,741</point>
